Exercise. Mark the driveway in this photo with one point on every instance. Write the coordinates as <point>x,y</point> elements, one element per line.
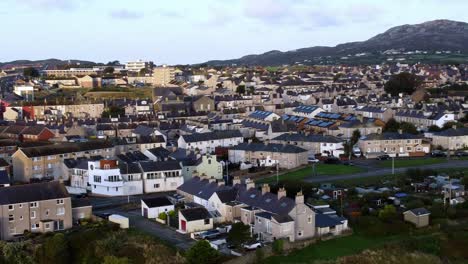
<point>162,232</point>
<point>376,172</point>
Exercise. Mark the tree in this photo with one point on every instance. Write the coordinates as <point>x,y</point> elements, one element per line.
<point>355,137</point>
<point>408,128</point>
<point>434,128</point>
<point>464,181</point>
<point>109,70</point>
<point>240,89</point>
<point>391,126</point>
<point>143,72</point>
<point>55,250</point>
<point>403,82</point>
<point>278,246</point>
<point>238,234</point>
<point>202,252</point>
<point>388,213</point>
<point>31,72</point>
<point>115,260</point>
<point>449,125</point>
<point>16,252</point>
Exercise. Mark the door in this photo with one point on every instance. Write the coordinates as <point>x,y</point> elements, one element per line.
<point>145,212</point>
<point>183,225</point>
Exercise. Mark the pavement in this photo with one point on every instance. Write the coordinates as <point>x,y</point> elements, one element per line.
<point>162,232</point>
<point>373,171</point>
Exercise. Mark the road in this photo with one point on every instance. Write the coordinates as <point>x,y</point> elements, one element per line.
<point>108,202</point>
<point>376,172</point>
<point>162,232</point>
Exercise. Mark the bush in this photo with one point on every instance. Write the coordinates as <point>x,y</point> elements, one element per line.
<point>259,255</point>
<point>278,246</point>
<point>162,216</point>
<point>202,252</point>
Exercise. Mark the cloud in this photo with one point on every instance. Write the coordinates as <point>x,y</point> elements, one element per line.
<point>63,5</point>
<point>126,14</point>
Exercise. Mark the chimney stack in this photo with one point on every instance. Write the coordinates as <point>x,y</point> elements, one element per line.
<point>300,198</point>
<point>265,188</point>
<point>249,184</point>
<point>211,180</point>
<point>221,183</point>
<point>281,193</point>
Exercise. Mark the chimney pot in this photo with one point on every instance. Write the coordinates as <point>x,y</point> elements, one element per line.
<point>281,193</point>
<point>265,188</point>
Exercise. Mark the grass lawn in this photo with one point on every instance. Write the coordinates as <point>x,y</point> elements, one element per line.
<point>322,169</point>
<point>331,249</point>
<point>402,163</point>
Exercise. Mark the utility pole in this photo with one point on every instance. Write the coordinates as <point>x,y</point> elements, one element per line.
<point>277,173</point>
<point>393,165</point>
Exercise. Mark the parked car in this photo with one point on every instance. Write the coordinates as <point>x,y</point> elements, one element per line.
<point>461,153</point>
<point>348,163</point>
<point>332,160</point>
<point>210,234</point>
<point>313,160</point>
<point>383,157</point>
<point>253,246</point>
<point>438,153</point>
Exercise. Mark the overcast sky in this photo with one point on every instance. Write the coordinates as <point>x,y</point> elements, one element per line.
<point>191,31</point>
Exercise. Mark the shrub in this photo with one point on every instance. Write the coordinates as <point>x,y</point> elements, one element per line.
<point>162,216</point>
<point>259,255</point>
<point>278,246</point>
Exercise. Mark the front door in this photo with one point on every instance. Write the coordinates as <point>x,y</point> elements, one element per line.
<point>183,225</point>
<point>145,212</point>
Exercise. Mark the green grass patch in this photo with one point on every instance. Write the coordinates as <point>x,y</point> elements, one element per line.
<point>331,249</point>
<point>403,163</point>
<point>322,169</point>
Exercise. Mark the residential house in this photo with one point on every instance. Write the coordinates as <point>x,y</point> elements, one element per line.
<point>161,176</point>
<point>205,166</point>
<point>451,139</point>
<point>313,143</point>
<point>266,155</point>
<point>208,142</point>
<point>36,208</point>
<point>395,144</point>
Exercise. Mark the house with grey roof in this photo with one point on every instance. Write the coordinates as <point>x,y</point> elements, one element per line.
<point>208,142</point>
<point>36,208</point>
<point>395,144</point>
<point>451,139</point>
<point>271,216</point>
<point>314,143</point>
<point>269,154</point>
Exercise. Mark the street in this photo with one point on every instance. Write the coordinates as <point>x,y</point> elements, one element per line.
<point>374,171</point>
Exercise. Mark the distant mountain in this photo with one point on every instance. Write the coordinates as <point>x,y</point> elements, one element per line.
<point>43,63</point>
<point>432,36</point>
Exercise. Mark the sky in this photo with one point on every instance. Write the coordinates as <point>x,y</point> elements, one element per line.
<point>194,31</point>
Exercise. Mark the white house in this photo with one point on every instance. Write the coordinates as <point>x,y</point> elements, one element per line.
<point>195,220</point>
<point>208,142</point>
<point>104,178</point>
<point>161,176</point>
<point>152,207</point>
<point>309,111</point>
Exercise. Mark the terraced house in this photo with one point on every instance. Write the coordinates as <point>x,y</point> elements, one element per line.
<point>36,208</point>
<point>394,144</point>
<point>47,161</point>
<point>208,142</point>
<point>313,143</point>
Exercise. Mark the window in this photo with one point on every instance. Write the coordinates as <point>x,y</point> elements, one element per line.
<point>207,221</point>
<point>47,212</point>
<point>209,161</point>
<point>33,205</point>
<point>60,211</point>
<point>299,233</point>
<point>97,178</point>
<point>309,219</point>
<point>47,226</point>
<point>21,218</point>
<point>156,185</point>
<point>11,207</point>
<point>60,201</point>
<point>33,214</point>
<point>20,205</point>
<point>11,218</point>
<point>34,226</point>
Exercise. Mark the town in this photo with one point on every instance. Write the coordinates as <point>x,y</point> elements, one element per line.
<point>320,160</point>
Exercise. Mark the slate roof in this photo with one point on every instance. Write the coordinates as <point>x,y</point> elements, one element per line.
<point>419,211</point>
<point>4,179</point>
<point>197,137</point>
<point>82,202</point>
<point>323,220</point>
<point>305,109</point>
<point>308,138</point>
<point>149,166</point>
<point>32,192</point>
<point>261,115</point>
<point>62,148</point>
<point>391,136</point>
<point>453,132</point>
<point>129,168</point>
<point>157,202</point>
<point>193,214</point>
<point>259,147</point>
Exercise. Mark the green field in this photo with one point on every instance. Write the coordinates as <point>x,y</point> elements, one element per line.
<point>322,169</point>
<point>330,249</point>
<point>403,163</point>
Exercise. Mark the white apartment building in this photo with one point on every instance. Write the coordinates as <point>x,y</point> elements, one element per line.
<point>208,142</point>
<point>136,66</point>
